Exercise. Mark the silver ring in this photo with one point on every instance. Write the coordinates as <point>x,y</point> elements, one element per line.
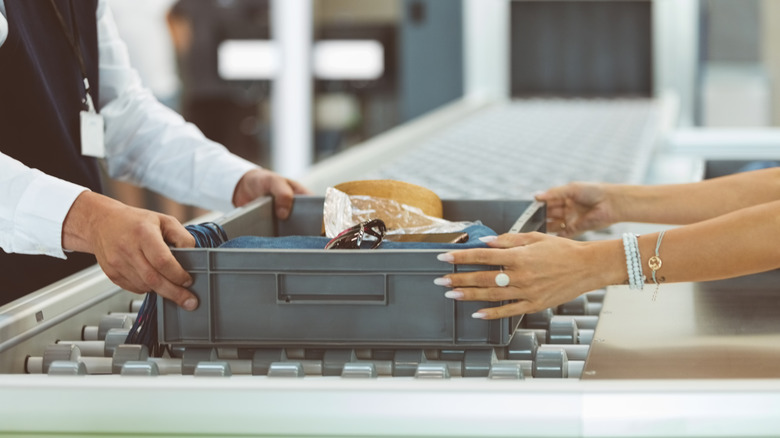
<point>502,280</point>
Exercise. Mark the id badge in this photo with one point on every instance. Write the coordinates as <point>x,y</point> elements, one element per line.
<point>92,143</point>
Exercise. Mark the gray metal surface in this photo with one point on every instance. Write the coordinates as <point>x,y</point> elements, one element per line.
<point>721,329</point>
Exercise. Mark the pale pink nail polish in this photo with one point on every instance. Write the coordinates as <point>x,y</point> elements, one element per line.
<point>442,281</point>
<point>446,257</point>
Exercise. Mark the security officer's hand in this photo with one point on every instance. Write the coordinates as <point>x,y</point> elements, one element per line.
<point>131,245</point>
<point>262,182</point>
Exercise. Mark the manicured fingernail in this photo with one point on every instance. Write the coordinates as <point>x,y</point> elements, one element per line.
<point>442,281</point>
<point>190,304</point>
<point>187,283</point>
<point>282,213</point>
<point>446,257</point>
<point>478,315</point>
<point>455,295</point>
<point>487,239</point>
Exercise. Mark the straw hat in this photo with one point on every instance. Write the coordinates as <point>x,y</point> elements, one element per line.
<point>399,191</point>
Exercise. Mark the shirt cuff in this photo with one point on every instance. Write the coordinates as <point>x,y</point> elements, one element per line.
<point>42,210</point>
<point>3,29</point>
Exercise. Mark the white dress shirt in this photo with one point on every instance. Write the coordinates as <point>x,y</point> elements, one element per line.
<point>146,143</point>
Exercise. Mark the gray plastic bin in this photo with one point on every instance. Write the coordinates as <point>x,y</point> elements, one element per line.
<point>363,298</point>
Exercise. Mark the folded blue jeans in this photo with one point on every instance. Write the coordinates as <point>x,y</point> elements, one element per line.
<point>318,242</point>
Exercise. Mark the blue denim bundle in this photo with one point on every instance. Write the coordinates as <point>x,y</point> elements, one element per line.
<point>144,328</point>
<point>318,242</point>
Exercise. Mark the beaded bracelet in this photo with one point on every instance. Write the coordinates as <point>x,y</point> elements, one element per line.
<point>639,277</point>
<point>636,278</point>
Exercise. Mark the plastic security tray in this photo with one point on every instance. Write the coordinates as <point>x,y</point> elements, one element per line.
<point>371,298</point>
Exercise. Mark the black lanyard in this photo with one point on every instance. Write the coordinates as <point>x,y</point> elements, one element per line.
<point>74,41</point>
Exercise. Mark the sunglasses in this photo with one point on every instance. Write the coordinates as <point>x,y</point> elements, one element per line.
<point>370,232</point>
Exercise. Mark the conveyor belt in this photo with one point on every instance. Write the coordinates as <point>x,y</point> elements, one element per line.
<point>548,345</point>
<point>619,399</point>
<point>719,378</point>
<point>513,150</point>
<point>510,150</point>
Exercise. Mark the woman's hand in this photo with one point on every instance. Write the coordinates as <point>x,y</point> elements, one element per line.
<point>577,207</point>
<point>543,271</point>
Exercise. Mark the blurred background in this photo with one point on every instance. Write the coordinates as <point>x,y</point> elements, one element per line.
<point>290,83</point>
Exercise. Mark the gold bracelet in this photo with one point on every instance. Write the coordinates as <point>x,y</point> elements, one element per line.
<point>655,263</point>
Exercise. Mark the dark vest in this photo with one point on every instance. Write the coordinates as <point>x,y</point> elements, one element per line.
<point>40,99</point>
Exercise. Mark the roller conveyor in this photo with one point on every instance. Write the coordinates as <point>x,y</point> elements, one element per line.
<point>641,368</point>
<point>700,361</point>
<point>548,345</point>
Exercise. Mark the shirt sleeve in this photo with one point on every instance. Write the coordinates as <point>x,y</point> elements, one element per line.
<point>3,24</point>
<point>33,207</point>
<point>149,144</point>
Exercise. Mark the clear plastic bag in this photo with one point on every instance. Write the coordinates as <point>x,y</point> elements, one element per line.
<point>342,211</point>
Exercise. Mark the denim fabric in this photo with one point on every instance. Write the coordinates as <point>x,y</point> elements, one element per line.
<point>144,329</point>
<point>207,234</point>
<point>318,242</point>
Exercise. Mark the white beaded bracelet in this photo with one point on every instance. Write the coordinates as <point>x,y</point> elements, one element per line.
<point>639,278</point>
<point>636,278</point>
<point>629,264</point>
<point>638,271</point>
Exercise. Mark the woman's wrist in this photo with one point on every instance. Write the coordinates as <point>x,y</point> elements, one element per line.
<point>622,201</point>
<point>610,263</point>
